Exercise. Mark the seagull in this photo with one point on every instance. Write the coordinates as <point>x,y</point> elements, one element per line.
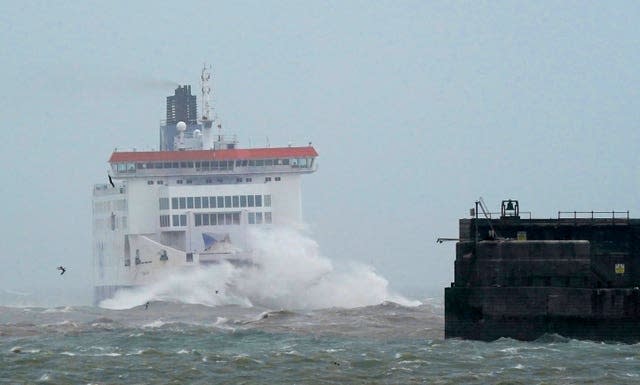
<point>62,269</point>
<point>110,181</point>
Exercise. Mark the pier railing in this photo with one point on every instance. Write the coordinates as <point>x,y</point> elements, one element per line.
<point>615,216</point>
<point>523,214</point>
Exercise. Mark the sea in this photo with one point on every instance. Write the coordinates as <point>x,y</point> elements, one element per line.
<point>388,343</point>
<point>295,317</point>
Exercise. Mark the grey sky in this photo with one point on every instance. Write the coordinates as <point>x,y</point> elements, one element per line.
<point>416,108</point>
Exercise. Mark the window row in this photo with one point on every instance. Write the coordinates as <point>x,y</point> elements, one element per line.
<point>209,180</point>
<point>217,219</point>
<point>257,218</point>
<point>221,202</point>
<point>177,220</point>
<point>214,165</point>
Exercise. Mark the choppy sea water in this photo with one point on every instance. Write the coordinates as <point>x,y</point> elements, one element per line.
<point>173,343</point>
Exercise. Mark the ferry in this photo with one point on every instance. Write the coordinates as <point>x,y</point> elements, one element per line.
<point>192,202</point>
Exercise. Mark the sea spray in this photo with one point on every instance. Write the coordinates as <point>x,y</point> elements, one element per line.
<point>289,273</point>
<point>197,285</point>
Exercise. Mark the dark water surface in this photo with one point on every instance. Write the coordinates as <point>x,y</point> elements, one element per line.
<point>171,343</point>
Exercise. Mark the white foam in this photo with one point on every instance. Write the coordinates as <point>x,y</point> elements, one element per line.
<point>65,309</point>
<point>291,274</point>
<point>155,324</point>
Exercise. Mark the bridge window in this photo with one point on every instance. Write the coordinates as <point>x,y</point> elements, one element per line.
<point>197,203</point>
<point>205,202</point>
<point>267,201</point>
<point>174,203</point>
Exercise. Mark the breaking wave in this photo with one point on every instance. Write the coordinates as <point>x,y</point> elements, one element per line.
<point>290,274</point>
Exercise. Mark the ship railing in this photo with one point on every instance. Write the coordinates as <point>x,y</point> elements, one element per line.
<point>615,216</point>
<point>134,149</point>
<point>107,189</point>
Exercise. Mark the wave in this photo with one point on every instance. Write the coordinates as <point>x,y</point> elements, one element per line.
<point>290,273</point>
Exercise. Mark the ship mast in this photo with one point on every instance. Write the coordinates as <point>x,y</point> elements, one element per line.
<point>206,93</point>
<point>207,123</point>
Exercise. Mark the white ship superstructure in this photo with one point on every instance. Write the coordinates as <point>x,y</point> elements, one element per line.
<point>193,205</point>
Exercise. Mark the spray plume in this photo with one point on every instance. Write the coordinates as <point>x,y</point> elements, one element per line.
<point>290,274</point>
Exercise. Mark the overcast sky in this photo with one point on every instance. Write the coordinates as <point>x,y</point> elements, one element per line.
<point>416,109</point>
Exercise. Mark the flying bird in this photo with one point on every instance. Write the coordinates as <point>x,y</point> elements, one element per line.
<point>62,269</point>
<point>111,181</point>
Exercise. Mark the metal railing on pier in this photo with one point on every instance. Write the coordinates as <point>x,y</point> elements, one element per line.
<point>526,214</point>
<point>615,216</point>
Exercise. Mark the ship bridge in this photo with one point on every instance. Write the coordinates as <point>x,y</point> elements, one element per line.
<point>131,164</point>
